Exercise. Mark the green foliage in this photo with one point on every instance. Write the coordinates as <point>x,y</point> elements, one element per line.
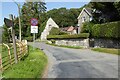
<point>64,17</point>
<point>42,27</point>
<point>30,38</point>
<point>107,30</point>
<point>117,6</point>
<point>87,27</point>
<point>53,41</point>
<point>6,35</point>
<point>63,33</point>
<point>76,36</point>
<point>32,10</point>
<point>31,66</point>
<point>16,24</point>
<point>105,11</point>
<point>56,31</point>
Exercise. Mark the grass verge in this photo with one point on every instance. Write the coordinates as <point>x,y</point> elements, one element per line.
<point>74,47</point>
<point>107,50</point>
<point>31,66</point>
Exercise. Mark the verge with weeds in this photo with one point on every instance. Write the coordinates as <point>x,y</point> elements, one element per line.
<point>107,50</point>
<point>31,66</point>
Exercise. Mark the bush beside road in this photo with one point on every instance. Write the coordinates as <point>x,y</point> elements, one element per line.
<point>75,36</point>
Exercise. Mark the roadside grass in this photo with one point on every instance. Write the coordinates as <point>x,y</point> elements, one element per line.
<point>107,50</point>
<point>73,47</point>
<point>31,66</point>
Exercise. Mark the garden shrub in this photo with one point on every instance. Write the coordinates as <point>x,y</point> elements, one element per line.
<point>30,38</point>
<point>56,31</point>
<point>87,26</point>
<point>107,30</point>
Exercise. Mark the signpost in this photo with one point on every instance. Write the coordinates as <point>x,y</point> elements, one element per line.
<point>34,22</point>
<point>9,23</point>
<point>34,28</point>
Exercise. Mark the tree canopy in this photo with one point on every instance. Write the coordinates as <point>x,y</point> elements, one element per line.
<point>105,11</point>
<point>31,10</point>
<point>64,17</point>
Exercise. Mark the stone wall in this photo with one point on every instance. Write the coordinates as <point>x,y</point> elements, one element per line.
<point>105,43</point>
<point>86,43</point>
<point>73,42</point>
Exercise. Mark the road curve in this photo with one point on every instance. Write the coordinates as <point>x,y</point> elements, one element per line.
<point>78,63</point>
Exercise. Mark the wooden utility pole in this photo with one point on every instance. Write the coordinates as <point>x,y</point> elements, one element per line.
<point>19,23</point>
<point>18,5</point>
<point>14,41</point>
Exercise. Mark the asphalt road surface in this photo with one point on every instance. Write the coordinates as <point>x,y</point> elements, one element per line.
<point>79,63</point>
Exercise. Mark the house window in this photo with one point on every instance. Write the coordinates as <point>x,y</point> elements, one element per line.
<point>83,19</point>
<point>50,25</point>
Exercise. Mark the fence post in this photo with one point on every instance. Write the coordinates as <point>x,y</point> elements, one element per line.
<point>8,52</point>
<point>19,53</point>
<point>14,40</point>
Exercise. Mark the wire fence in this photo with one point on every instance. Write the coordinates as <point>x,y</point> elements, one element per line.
<point>7,58</point>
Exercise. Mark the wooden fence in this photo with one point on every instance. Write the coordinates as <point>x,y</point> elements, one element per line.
<point>7,58</point>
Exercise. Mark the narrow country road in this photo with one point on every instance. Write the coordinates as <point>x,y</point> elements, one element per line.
<point>78,63</point>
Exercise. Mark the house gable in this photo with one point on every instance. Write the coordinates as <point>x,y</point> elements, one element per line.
<point>49,25</point>
<point>88,11</point>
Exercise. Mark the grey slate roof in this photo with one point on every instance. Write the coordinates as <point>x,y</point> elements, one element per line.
<point>89,10</point>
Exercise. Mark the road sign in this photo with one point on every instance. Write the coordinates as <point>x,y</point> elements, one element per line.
<point>34,22</point>
<point>34,29</point>
<point>8,22</point>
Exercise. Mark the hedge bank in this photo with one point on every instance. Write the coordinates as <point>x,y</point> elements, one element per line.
<point>107,30</point>
<point>75,36</point>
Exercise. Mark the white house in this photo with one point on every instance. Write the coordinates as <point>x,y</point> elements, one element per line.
<point>84,16</point>
<point>49,25</point>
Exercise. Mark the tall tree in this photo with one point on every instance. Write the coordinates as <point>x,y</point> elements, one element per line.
<point>105,12</point>
<point>31,10</point>
<point>117,6</point>
<point>64,17</point>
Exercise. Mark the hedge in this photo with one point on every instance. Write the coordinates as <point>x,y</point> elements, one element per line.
<point>107,30</point>
<point>56,31</point>
<point>86,28</point>
<point>82,35</point>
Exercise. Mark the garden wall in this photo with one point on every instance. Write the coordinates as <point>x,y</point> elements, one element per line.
<point>105,43</point>
<point>86,43</point>
<point>73,42</point>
